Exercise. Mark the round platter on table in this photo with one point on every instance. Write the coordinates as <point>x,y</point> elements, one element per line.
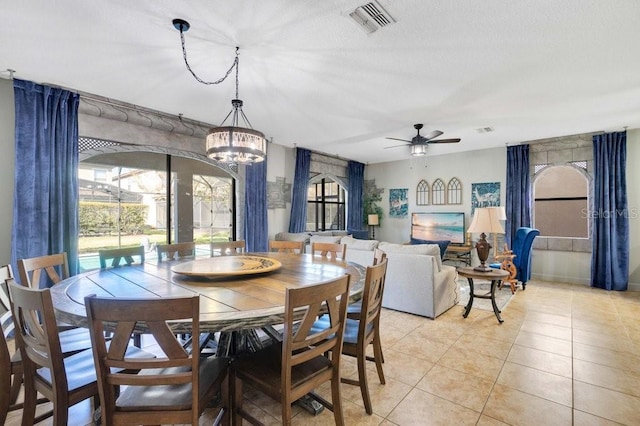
<point>220,266</point>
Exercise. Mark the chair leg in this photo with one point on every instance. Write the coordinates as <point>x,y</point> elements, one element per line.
<point>377,353</point>
<point>29,407</point>
<point>336,401</point>
<point>236,403</point>
<point>362,378</point>
<point>15,387</point>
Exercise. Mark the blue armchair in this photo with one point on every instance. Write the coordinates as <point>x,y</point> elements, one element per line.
<point>521,247</point>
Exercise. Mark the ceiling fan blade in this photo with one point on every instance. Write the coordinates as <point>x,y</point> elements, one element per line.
<point>396,139</point>
<point>433,134</point>
<point>445,141</point>
<point>395,146</point>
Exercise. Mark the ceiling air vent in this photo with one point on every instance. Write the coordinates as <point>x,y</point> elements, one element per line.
<point>371,17</point>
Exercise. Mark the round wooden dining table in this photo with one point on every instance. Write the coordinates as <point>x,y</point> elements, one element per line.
<point>228,302</point>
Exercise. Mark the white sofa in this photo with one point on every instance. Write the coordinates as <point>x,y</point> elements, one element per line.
<point>417,282</point>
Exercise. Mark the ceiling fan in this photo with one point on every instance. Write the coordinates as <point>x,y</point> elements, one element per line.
<point>419,143</point>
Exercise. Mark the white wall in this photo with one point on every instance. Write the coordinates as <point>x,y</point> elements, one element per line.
<point>7,145</point>
<point>469,167</point>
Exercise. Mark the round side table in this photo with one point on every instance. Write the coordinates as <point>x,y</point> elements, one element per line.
<point>495,275</point>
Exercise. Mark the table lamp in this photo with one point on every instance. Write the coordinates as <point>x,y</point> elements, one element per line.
<point>373,220</point>
<point>485,219</point>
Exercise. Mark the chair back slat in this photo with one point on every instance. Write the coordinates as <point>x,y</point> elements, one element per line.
<point>372,297</point>
<point>296,247</point>
<point>227,248</point>
<point>335,251</point>
<point>54,266</point>
<point>118,255</point>
<point>175,251</point>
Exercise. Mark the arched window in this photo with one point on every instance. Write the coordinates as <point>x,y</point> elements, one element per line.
<point>454,191</point>
<point>325,205</point>
<point>422,193</point>
<point>437,192</point>
<point>561,203</point>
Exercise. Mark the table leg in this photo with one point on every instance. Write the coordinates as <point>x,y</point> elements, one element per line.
<point>235,342</point>
<point>494,284</point>
<point>467,308</point>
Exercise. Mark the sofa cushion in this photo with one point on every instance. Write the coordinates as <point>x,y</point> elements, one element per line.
<point>354,244</point>
<point>341,233</point>
<point>292,236</point>
<point>428,249</point>
<point>443,244</point>
<point>324,239</point>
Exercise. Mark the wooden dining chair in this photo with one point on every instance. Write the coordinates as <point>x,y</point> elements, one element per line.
<point>175,251</point>
<point>173,388</point>
<point>304,360</point>
<point>227,248</point>
<point>117,255</point>
<point>364,331</point>
<point>10,360</point>
<point>63,381</point>
<point>335,251</point>
<point>296,247</point>
<point>55,268</point>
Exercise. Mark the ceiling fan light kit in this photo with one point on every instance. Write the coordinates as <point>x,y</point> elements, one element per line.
<point>418,150</point>
<point>232,144</point>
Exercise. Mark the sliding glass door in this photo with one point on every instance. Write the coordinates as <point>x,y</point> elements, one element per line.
<point>147,198</point>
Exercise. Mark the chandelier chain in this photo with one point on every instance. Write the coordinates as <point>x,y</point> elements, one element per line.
<point>186,62</point>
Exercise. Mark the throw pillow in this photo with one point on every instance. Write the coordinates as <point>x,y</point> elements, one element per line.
<point>359,234</point>
<point>443,244</point>
<point>354,244</point>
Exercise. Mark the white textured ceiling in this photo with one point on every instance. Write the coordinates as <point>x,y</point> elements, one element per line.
<point>530,69</point>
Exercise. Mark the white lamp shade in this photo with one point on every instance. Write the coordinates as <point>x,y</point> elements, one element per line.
<point>486,219</point>
<point>373,219</point>
<point>502,215</point>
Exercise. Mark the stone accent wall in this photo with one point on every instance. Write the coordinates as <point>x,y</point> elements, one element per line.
<point>562,151</point>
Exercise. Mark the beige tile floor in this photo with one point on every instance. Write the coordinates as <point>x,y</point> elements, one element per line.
<point>566,354</point>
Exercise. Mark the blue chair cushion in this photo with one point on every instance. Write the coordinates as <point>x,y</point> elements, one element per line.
<point>350,329</point>
<point>443,244</point>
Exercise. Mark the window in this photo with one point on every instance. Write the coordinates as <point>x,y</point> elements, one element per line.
<point>325,206</point>
<point>422,193</point>
<point>561,202</point>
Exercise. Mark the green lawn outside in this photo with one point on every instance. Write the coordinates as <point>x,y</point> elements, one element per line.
<point>94,243</point>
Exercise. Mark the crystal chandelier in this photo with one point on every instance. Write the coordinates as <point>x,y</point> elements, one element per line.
<point>230,144</point>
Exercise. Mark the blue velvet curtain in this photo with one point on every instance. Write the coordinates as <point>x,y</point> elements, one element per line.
<point>298,219</point>
<point>610,219</point>
<point>45,202</point>
<point>518,191</point>
<point>355,203</point>
<point>256,229</point>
